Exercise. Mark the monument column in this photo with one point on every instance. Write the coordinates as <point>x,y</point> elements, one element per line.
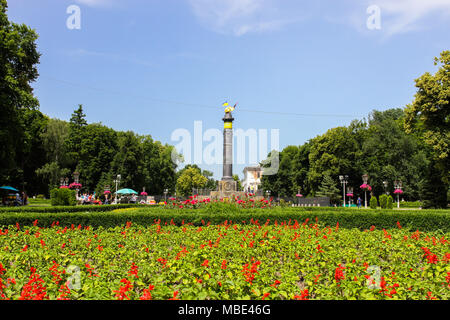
<point>227,147</point>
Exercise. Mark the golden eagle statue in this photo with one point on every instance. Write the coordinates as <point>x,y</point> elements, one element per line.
<point>228,108</point>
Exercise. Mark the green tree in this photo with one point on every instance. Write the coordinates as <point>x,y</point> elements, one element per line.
<point>238,182</point>
<point>18,69</point>
<point>335,153</point>
<point>430,114</point>
<point>373,203</point>
<point>76,136</point>
<point>329,188</point>
<point>189,179</point>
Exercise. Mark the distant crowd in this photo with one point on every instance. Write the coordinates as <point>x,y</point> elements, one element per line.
<point>15,199</point>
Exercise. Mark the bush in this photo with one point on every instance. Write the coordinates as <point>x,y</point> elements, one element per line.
<point>390,202</point>
<point>424,220</point>
<point>383,201</point>
<point>411,204</point>
<point>68,209</point>
<point>40,196</point>
<point>63,197</point>
<point>373,202</point>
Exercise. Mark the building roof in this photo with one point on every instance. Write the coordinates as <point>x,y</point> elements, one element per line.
<point>254,168</point>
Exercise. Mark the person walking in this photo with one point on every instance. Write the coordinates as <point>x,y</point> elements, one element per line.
<point>359,201</point>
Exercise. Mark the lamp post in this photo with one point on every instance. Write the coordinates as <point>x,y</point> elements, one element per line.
<point>76,177</point>
<point>165,194</point>
<point>385,184</point>
<point>116,181</point>
<point>365,179</point>
<point>350,195</point>
<point>344,181</point>
<point>398,190</point>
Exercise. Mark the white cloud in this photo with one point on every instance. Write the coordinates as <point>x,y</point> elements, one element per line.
<point>240,17</point>
<point>406,15</point>
<point>95,3</point>
<point>400,16</point>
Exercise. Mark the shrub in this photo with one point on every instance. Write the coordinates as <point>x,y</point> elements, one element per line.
<point>40,196</point>
<point>373,202</point>
<point>411,204</point>
<point>390,202</point>
<point>424,220</point>
<point>383,201</point>
<point>68,209</point>
<point>63,197</point>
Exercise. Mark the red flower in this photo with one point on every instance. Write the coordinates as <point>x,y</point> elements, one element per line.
<point>133,271</point>
<point>224,264</point>
<point>147,294</point>
<point>34,289</point>
<point>276,283</point>
<point>338,274</point>
<point>123,290</point>
<point>265,295</point>
<point>175,294</point>
<point>25,248</point>
<point>429,296</point>
<point>303,295</point>
<point>205,263</point>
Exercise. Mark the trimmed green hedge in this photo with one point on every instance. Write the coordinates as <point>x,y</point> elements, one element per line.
<point>411,204</point>
<point>423,220</point>
<point>66,209</point>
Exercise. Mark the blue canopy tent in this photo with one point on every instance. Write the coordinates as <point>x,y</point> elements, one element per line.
<point>8,188</point>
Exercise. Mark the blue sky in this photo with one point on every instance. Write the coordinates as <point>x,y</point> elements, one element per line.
<point>299,66</point>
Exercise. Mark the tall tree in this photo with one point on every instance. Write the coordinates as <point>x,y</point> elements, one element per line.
<point>430,114</point>
<point>328,188</point>
<point>18,69</point>
<point>76,135</point>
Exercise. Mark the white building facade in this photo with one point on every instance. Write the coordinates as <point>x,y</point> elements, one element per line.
<point>252,179</point>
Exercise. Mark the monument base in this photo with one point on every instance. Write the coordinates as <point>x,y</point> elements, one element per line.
<point>227,189</point>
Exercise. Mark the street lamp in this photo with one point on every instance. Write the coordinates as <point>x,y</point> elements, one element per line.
<point>76,177</point>
<point>385,184</point>
<point>165,194</point>
<point>398,190</point>
<point>365,179</point>
<point>117,182</point>
<point>344,181</point>
<point>350,195</point>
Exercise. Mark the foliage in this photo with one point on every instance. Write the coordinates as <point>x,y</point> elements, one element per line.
<point>18,60</point>
<point>383,201</point>
<point>373,203</point>
<point>226,261</point>
<point>111,216</point>
<point>329,188</point>
<point>63,197</point>
<point>411,204</point>
<point>429,114</point>
<point>390,202</point>
<point>189,179</point>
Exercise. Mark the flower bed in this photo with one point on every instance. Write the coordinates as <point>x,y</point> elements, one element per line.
<point>303,260</point>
